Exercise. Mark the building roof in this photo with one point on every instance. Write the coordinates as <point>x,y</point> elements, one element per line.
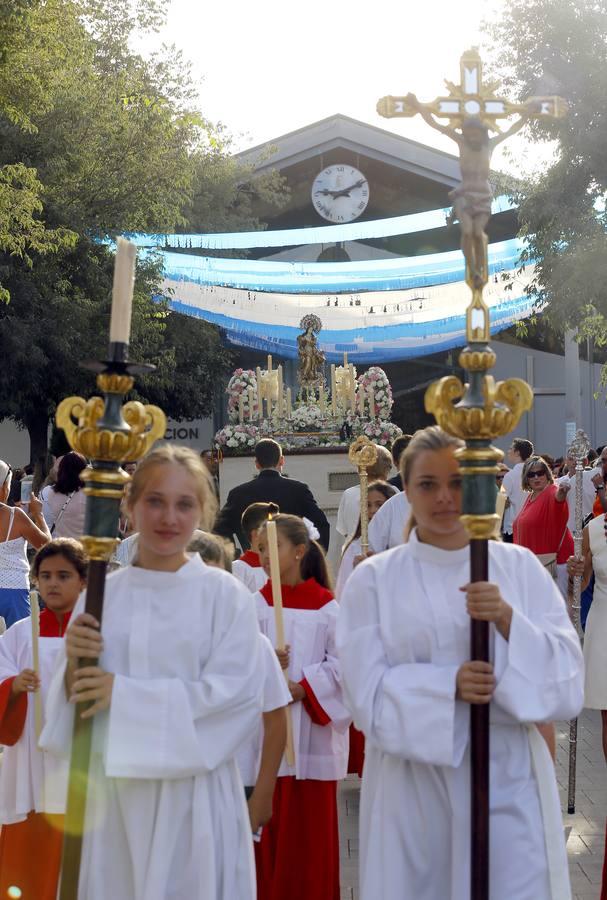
<point>341,131</point>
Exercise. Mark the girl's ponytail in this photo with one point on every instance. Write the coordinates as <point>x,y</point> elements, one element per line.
<point>314,565</point>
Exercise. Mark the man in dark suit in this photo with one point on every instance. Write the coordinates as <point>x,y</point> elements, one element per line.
<point>270,486</point>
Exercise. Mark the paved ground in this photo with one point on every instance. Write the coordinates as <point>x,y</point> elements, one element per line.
<point>586,829</point>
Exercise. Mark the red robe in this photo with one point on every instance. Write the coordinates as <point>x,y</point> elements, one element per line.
<point>251,559</point>
<point>298,855</point>
<point>30,851</point>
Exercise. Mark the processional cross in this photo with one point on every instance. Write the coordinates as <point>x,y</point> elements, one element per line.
<point>474,111</point>
<point>479,410</point>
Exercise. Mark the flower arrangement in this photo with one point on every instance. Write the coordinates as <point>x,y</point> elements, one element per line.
<point>238,385</point>
<point>306,418</point>
<point>237,437</point>
<point>381,431</point>
<point>375,382</point>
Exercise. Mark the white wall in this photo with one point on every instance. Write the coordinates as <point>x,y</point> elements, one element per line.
<point>14,444</point>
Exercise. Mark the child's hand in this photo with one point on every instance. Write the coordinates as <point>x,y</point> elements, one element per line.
<point>475,682</point>
<point>260,809</point>
<point>92,685</point>
<point>283,656</point>
<point>25,682</point>
<point>297,692</point>
<point>83,640</point>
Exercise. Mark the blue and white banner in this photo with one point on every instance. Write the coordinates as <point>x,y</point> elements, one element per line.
<point>322,234</point>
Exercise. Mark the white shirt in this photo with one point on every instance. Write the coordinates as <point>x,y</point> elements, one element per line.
<point>386,528</point>
<point>348,513</point>
<point>402,635</point>
<point>253,577</point>
<point>70,522</point>
<point>588,495</point>
<point>512,484</point>
<point>185,652</point>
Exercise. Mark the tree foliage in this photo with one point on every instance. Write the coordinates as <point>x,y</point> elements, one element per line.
<point>94,141</point>
<point>560,47</point>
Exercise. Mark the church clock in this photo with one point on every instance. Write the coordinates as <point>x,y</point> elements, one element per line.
<point>340,193</point>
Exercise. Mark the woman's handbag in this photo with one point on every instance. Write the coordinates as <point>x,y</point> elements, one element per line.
<point>548,560</point>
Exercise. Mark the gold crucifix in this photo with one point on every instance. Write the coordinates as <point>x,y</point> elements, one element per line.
<point>473,110</point>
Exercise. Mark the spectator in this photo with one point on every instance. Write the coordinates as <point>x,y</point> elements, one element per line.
<point>348,513</point>
<point>212,463</point>
<point>519,451</point>
<point>541,525</point>
<point>398,448</point>
<point>270,486</point>
<point>600,483</point>
<point>17,529</point>
<point>64,502</point>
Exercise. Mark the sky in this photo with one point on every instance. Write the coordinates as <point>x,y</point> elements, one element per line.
<point>267,68</point>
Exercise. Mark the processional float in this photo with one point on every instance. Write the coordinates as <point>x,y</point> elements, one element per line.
<point>108,434</point>
<point>481,409</point>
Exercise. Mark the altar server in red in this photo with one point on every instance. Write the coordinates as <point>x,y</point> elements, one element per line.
<point>404,644</point>
<point>176,691</point>
<point>248,568</point>
<point>298,856</point>
<point>33,783</point>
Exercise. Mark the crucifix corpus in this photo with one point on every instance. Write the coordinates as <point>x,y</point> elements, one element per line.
<point>481,409</point>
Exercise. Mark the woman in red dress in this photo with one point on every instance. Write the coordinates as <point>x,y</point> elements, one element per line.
<point>541,525</point>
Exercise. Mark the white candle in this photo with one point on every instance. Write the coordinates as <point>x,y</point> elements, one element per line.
<point>35,617</point>
<point>361,400</point>
<point>279,621</point>
<point>333,391</point>
<point>259,394</point>
<point>288,403</point>
<point>269,363</point>
<point>280,393</point>
<point>241,409</point>
<point>352,388</point>
<point>251,403</point>
<point>345,360</point>
<point>321,400</point>
<point>122,293</point>
<point>371,403</point>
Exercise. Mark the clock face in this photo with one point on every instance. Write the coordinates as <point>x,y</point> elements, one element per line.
<point>340,193</point>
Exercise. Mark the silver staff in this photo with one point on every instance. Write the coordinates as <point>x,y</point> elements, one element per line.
<point>578,451</point>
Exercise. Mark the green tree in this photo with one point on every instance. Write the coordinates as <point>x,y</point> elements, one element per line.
<point>116,145</point>
<point>560,47</point>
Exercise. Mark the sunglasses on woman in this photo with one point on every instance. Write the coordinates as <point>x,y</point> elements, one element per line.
<point>536,473</point>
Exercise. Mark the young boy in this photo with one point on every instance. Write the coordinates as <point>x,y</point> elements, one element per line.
<point>248,568</point>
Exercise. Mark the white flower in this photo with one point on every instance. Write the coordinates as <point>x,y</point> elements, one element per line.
<point>232,442</point>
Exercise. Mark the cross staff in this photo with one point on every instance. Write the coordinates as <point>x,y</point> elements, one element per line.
<point>578,451</point>
<point>363,455</point>
<point>479,410</point>
<point>474,110</point>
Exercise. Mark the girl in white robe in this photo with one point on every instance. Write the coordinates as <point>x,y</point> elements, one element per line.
<point>176,692</point>
<point>404,641</point>
<point>298,856</point>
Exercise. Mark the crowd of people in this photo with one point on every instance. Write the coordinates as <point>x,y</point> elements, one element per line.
<point>194,795</point>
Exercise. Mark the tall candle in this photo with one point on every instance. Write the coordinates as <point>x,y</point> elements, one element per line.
<point>288,403</point>
<point>251,403</point>
<point>122,292</point>
<point>259,394</point>
<point>352,388</point>
<point>280,393</point>
<point>333,391</point>
<point>241,409</point>
<point>279,621</point>
<point>321,400</point>
<point>371,403</point>
<point>35,617</point>
<point>345,360</point>
<point>269,363</point>
<point>361,400</point>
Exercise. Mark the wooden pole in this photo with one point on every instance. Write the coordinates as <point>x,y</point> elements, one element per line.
<point>279,623</point>
<point>479,742</point>
<point>35,617</point>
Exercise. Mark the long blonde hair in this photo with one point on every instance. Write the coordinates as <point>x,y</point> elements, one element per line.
<point>432,438</point>
<point>194,466</point>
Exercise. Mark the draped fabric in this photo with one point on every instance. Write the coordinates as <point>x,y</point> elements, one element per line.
<point>323,234</point>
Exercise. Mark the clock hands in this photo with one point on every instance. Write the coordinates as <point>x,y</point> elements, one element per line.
<point>344,192</point>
